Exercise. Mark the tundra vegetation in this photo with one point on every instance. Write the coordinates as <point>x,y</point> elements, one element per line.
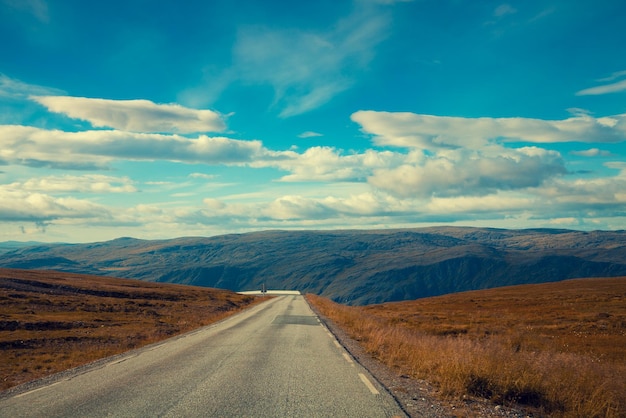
<point>52,321</point>
<point>555,349</point>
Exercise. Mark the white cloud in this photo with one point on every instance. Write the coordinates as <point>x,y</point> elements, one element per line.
<point>91,149</point>
<point>329,164</point>
<point>202,176</point>
<point>304,208</point>
<point>605,89</point>
<point>411,130</point>
<point>614,76</point>
<point>214,204</point>
<point>592,152</point>
<point>21,205</point>
<point>12,88</point>
<point>309,134</point>
<point>134,115</point>
<point>542,14</point>
<point>581,193</point>
<point>92,183</point>
<point>497,202</point>
<point>468,173</point>
<point>37,147</point>
<point>615,87</point>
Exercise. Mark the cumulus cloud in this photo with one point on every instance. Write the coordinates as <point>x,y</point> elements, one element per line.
<point>30,146</point>
<point>22,205</point>
<point>134,115</point>
<point>467,173</point>
<point>96,149</point>
<point>330,164</point>
<point>411,130</point>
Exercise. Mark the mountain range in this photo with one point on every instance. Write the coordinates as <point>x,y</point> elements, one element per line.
<point>349,266</point>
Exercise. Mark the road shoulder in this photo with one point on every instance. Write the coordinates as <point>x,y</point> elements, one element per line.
<point>418,398</point>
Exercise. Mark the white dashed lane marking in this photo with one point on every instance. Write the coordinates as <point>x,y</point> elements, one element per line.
<point>369,384</point>
<point>348,358</point>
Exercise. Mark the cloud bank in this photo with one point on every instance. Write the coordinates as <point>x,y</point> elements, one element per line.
<point>439,169</point>
<point>91,149</point>
<point>134,115</point>
<point>23,206</point>
<point>411,130</point>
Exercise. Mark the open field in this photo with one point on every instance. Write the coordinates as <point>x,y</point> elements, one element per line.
<point>556,349</point>
<point>52,321</point>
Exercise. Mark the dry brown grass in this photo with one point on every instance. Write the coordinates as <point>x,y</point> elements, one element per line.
<point>52,321</point>
<point>557,349</point>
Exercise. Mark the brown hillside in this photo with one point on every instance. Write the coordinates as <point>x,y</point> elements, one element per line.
<point>556,348</point>
<point>52,321</point>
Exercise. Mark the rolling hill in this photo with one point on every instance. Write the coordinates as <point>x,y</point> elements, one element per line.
<point>351,266</point>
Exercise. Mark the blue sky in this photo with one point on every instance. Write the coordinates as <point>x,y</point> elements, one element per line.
<point>158,119</point>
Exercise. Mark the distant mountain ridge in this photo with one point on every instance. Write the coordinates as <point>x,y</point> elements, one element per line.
<point>349,266</point>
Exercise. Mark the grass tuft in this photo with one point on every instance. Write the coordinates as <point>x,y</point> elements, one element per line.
<point>53,321</point>
<point>556,349</point>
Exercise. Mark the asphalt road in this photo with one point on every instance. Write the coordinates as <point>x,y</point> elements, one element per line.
<point>274,360</point>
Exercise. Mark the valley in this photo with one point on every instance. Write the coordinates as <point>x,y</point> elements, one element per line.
<point>354,267</point>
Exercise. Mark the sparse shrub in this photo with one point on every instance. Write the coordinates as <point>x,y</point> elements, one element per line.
<point>512,364</point>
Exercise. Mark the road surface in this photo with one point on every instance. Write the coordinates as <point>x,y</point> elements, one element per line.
<point>273,360</point>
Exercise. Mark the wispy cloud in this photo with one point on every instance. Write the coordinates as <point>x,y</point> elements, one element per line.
<point>614,76</point>
<point>503,10</point>
<point>593,152</point>
<point>36,8</point>
<point>202,176</point>
<point>605,89</point>
<point>309,134</point>
<point>305,68</point>
<point>16,89</point>
<point>615,87</point>
<point>91,183</point>
<point>134,115</point>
